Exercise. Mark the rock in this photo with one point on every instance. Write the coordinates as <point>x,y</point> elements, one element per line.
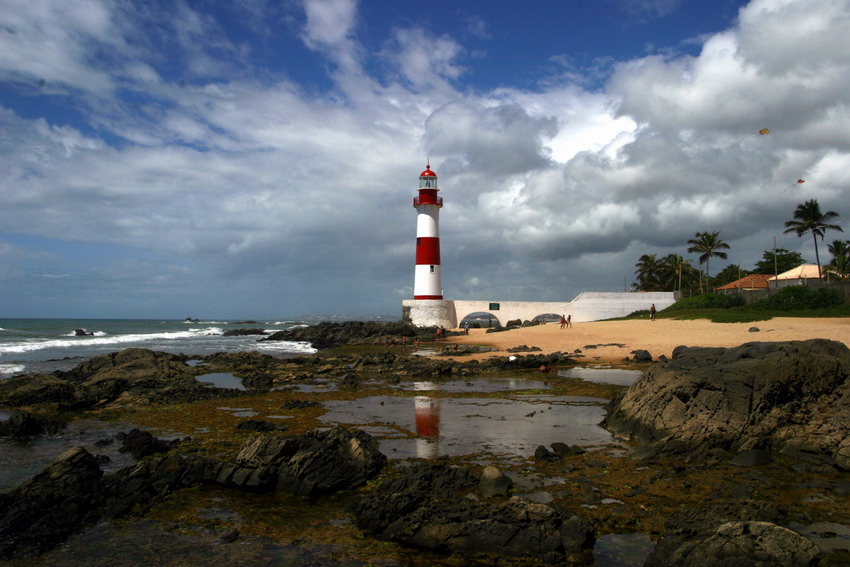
<point>525,348</point>
<point>50,506</point>
<point>328,335</point>
<point>564,450</point>
<point>424,509</point>
<point>841,456</point>
<point>229,537</point>
<point>751,458</point>
<point>641,356</point>
<point>545,455</point>
<point>754,329</point>
<point>494,482</point>
<point>319,462</point>
<point>687,528</point>
<point>745,543</point>
<point>243,332</point>
<point>260,425</point>
<point>82,333</point>
<point>298,404</point>
<point>28,425</point>
<point>772,396</point>
<point>142,444</point>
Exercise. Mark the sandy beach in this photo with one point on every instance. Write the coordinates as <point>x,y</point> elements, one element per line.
<point>659,337</point>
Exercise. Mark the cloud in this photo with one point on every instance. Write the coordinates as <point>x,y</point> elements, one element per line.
<point>211,170</point>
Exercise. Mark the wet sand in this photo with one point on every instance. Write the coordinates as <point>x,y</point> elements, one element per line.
<point>659,337</point>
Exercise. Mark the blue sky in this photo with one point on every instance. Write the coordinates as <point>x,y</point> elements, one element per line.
<point>258,159</point>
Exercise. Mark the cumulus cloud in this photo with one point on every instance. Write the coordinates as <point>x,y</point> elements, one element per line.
<point>297,196</point>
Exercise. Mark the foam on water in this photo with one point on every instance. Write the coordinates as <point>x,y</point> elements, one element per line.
<point>11,369</point>
<point>41,344</point>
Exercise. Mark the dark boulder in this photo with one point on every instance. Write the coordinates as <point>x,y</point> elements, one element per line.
<point>641,356</point>
<point>328,335</point>
<point>317,463</point>
<point>243,332</point>
<point>28,425</point>
<point>49,507</point>
<point>494,482</point>
<point>784,396</point>
<point>142,444</point>
<point>425,509</point>
<point>735,533</point>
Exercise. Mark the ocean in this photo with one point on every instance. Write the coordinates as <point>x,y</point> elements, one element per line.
<point>45,345</point>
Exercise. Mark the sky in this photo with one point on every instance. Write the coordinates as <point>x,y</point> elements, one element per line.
<point>258,159</point>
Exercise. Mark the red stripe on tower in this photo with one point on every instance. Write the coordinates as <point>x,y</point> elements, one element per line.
<point>427,282</point>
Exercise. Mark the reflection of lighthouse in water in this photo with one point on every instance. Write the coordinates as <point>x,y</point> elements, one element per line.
<point>427,422</point>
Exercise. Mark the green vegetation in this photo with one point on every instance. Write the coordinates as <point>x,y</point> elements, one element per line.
<point>793,301</point>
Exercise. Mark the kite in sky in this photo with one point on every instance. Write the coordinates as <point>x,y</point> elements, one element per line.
<point>798,182</point>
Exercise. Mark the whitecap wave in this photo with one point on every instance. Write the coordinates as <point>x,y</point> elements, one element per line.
<point>41,344</point>
<point>11,369</point>
<point>300,347</point>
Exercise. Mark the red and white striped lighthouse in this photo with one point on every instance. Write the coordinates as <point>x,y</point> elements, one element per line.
<point>426,282</point>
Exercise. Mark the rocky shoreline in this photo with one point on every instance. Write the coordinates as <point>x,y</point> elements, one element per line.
<point>732,451</point>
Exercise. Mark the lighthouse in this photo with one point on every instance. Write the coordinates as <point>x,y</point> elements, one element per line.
<point>427,283</point>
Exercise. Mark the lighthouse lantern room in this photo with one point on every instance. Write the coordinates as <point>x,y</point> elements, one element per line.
<point>427,282</point>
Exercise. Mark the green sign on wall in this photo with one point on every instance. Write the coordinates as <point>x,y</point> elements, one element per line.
<point>494,307</point>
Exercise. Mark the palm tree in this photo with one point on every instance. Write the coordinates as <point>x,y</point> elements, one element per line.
<point>708,244</point>
<point>840,263</point>
<point>647,272</point>
<point>808,218</point>
<point>672,268</point>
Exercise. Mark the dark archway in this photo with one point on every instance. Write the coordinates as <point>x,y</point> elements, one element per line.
<point>480,320</point>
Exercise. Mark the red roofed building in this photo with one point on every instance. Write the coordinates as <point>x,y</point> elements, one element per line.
<point>747,283</point>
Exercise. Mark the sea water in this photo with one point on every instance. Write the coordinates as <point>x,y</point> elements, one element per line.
<point>45,345</point>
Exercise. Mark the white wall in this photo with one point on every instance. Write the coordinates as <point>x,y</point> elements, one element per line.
<point>588,306</point>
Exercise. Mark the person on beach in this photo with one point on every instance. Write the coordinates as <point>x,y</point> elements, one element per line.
<point>563,321</point>
<point>466,327</point>
<point>652,312</point>
<point>570,320</point>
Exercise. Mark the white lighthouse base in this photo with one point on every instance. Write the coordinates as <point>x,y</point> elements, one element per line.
<point>429,313</point>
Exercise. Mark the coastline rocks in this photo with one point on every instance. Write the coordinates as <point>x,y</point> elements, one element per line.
<point>49,507</point>
<point>72,491</point>
<point>782,396</point>
<point>317,463</point>
<point>328,335</point>
<point>147,375</point>
<point>737,533</point>
<point>243,332</point>
<point>426,508</point>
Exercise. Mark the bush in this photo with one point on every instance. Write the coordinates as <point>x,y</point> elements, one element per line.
<point>708,301</point>
<point>800,297</point>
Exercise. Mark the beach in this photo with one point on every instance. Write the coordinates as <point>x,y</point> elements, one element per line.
<point>658,337</point>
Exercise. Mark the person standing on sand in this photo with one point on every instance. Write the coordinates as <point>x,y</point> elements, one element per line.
<point>652,312</point>
<point>570,320</point>
<point>563,322</point>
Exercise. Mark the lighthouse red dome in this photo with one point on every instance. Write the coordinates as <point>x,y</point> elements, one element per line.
<point>428,172</point>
